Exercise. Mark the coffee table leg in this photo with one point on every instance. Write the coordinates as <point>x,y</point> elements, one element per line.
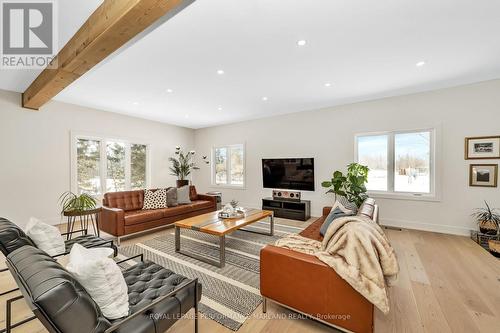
<point>177,239</point>
<point>222,249</point>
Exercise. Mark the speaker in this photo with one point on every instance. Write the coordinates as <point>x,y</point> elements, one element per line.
<point>286,195</point>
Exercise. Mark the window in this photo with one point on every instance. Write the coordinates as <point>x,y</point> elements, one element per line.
<point>399,162</point>
<point>229,165</point>
<point>104,165</point>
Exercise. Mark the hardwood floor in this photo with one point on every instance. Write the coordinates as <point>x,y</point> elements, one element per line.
<point>447,284</point>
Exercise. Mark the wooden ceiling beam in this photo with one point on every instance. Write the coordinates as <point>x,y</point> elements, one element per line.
<point>112,25</point>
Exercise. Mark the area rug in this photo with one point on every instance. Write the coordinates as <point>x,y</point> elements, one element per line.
<point>231,294</point>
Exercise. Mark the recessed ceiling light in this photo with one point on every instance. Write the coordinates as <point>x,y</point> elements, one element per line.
<point>265,98</point>
<point>420,64</point>
<point>219,108</point>
<point>135,103</point>
<point>186,116</point>
<point>328,84</point>
<point>220,71</point>
<point>301,42</point>
<point>169,91</point>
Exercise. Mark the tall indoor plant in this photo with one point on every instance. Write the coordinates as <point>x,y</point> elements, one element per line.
<point>352,185</point>
<point>488,220</point>
<point>182,164</point>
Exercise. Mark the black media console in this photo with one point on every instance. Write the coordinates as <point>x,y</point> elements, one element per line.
<point>288,209</point>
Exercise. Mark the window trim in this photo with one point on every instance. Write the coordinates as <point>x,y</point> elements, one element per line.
<point>434,194</point>
<point>102,161</point>
<point>228,167</point>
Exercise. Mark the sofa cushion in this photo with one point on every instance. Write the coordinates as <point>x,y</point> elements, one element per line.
<point>46,237</point>
<point>141,216</point>
<point>155,199</point>
<point>200,204</point>
<point>126,200</point>
<point>193,195</point>
<point>183,195</point>
<point>102,278</point>
<point>172,197</point>
<point>334,214</point>
<point>147,281</point>
<point>174,211</point>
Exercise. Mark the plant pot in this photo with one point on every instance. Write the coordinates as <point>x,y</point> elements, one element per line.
<point>488,228</point>
<point>182,182</point>
<point>494,246</point>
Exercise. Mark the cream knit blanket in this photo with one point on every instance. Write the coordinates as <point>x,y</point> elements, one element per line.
<point>358,250</point>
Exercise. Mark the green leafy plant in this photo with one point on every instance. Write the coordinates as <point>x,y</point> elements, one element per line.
<point>352,185</point>
<point>488,219</point>
<point>70,202</point>
<point>183,164</point>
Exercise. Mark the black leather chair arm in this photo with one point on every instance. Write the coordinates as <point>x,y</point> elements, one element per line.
<point>131,258</point>
<point>157,301</point>
<point>85,231</point>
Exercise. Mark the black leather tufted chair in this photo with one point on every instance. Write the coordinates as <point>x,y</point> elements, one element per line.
<point>158,297</point>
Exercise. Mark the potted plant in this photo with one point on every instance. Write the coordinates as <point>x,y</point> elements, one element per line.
<point>488,220</point>
<point>70,202</point>
<point>183,165</point>
<point>352,185</point>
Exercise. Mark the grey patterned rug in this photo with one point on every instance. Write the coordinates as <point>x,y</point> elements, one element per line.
<point>230,294</point>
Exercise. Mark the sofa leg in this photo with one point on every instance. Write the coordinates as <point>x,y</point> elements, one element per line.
<point>118,241</point>
<point>264,305</point>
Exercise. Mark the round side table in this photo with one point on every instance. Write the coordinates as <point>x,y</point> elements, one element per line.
<point>85,216</point>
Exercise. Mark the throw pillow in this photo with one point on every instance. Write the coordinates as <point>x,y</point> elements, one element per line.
<point>172,197</point>
<point>334,214</point>
<point>155,199</point>
<point>46,237</point>
<point>347,204</point>
<point>183,195</point>
<point>340,206</point>
<point>102,278</point>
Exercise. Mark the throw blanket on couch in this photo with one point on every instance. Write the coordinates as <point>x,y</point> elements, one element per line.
<point>358,250</point>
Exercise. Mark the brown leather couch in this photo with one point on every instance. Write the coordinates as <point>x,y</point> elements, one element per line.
<point>122,212</point>
<point>305,284</point>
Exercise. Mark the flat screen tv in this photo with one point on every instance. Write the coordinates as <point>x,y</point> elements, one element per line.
<point>288,173</point>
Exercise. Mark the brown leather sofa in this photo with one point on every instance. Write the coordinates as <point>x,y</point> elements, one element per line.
<point>122,212</point>
<point>305,284</point>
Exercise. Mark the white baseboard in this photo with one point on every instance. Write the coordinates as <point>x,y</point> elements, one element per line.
<point>444,229</point>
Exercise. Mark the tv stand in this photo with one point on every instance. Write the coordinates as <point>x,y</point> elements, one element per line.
<point>294,210</point>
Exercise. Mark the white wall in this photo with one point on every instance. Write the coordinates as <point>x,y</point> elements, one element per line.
<point>35,152</point>
<point>328,136</point>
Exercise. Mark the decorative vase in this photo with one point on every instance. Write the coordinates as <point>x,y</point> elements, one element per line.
<point>488,228</point>
<point>182,182</point>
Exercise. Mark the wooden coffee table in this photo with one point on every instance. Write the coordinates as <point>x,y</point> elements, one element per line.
<point>210,223</point>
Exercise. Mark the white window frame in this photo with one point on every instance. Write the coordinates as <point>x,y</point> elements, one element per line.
<point>434,194</point>
<point>104,139</point>
<point>228,167</point>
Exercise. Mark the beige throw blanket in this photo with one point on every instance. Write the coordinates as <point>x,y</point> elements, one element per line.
<point>358,250</point>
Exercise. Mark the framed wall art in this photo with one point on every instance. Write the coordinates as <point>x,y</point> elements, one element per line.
<point>486,147</point>
<point>483,175</point>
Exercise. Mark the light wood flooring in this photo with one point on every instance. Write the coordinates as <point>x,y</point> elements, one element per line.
<point>447,284</point>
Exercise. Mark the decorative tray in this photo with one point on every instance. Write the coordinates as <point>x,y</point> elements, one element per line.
<point>235,215</point>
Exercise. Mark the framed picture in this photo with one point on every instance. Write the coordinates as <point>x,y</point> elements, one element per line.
<point>486,147</point>
<point>484,175</point>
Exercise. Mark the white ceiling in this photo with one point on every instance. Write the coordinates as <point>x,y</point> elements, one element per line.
<point>365,49</point>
